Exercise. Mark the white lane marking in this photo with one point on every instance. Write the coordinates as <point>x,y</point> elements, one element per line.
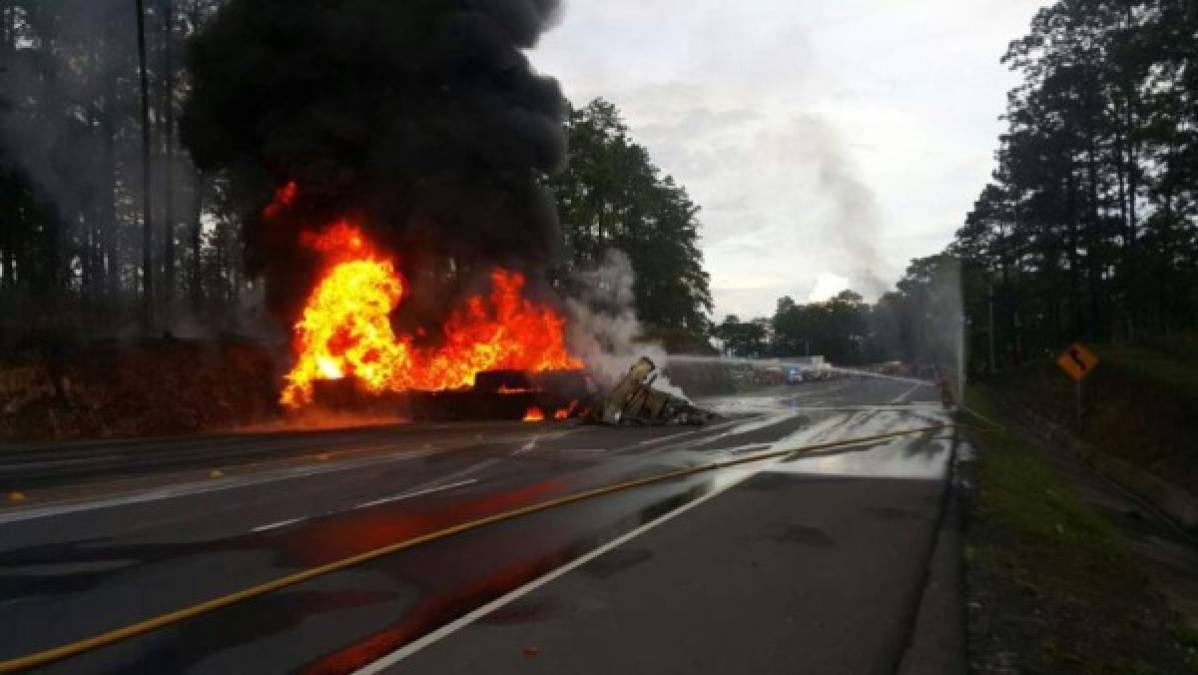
<point>56,463</point>
<point>274,526</point>
<point>722,483</point>
<point>527,447</point>
<point>416,493</point>
<point>903,396</point>
<point>889,407</point>
<point>740,428</point>
<point>663,439</point>
<point>742,449</point>
<point>202,487</point>
<point>452,627</point>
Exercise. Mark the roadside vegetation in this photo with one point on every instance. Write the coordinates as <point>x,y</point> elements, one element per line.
<point>135,388</point>
<point>1139,403</point>
<point>1088,228</point>
<point>1051,584</point>
<point>85,252</point>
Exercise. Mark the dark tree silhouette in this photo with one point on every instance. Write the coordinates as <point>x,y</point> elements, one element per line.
<point>147,215</point>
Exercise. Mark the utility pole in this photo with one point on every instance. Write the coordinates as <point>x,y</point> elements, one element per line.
<point>993,364</point>
<point>147,238</point>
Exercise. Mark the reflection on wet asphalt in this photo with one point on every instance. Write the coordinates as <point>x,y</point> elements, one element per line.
<point>66,577</point>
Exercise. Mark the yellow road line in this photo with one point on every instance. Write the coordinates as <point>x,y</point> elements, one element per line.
<point>61,652</point>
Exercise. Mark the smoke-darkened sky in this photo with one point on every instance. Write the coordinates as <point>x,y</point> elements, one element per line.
<point>420,119</point>
<point>828,142</point>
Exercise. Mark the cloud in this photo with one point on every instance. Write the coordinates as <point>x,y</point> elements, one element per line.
<point>792,122</point>
<point>827,286</point>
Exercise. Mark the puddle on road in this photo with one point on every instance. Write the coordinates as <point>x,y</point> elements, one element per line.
<point>916,457</point>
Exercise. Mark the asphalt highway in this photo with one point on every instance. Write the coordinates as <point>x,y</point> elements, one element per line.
<point>805,563</point>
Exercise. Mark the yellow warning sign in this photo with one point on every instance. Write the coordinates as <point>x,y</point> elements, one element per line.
<point>1077,361</point>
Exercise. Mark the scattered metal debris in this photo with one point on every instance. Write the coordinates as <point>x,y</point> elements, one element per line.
<point>634,401</point>
<point>508,395</point>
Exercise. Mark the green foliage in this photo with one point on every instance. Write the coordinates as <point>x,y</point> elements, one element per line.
<point>73,231</point>
<point>70,167</point>
<point>747,339</point>
<point>836,329</point>
<point>1088,228</point>
<point>918,322</point>
<point>611,195</point>
<point>1022,492</point>
<point>1042,544</point>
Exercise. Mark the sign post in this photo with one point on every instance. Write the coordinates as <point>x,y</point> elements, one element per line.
<point>1077,362</point>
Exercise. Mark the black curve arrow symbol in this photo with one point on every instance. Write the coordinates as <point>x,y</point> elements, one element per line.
<point>1077,358</point>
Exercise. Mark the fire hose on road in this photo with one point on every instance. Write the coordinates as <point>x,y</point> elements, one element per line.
<point>66,651</point>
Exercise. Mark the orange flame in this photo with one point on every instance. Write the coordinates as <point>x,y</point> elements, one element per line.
<point>345,329</point>
<point>284,198</point>
<point>534,415</point>
<point>562,414</point>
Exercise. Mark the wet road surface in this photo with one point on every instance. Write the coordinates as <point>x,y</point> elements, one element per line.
<point>811,563</point>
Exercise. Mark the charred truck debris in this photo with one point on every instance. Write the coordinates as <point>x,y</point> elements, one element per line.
<point>634,401</point>
<point>509,395</point>
<point>557,395</point>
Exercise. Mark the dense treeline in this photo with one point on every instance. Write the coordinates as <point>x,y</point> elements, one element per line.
<point>612,196</point>
<point>1088,228</point>
<point>919,322</point>
<point>77,243</point>
<point>72,216</point>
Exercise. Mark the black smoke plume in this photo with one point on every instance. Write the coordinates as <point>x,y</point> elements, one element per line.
<point>423,119</point>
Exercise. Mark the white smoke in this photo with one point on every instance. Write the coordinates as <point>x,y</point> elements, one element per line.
<point>604,330</point>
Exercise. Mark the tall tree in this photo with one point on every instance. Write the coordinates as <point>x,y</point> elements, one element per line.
<point>611,195</point>
<point>168,85</point>
<point>147,242</point>
<point>1088,229</point>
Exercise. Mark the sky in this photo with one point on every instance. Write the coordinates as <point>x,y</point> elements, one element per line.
<point>828,143</point>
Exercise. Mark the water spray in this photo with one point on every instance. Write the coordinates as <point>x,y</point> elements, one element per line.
<point>803,366</point>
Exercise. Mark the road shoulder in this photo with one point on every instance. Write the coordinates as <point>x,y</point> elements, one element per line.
<point>937,643</point>
<point>1058,576</point>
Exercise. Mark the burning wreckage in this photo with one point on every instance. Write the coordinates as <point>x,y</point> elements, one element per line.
<point>568,393</point>
<point>406,149</point>
<point>499,356</point>
<point>532,397</point>
<point>634,401</point>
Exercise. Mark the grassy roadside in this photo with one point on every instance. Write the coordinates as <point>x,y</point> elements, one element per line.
<point>1140,403</point>
<point>1051,584</point>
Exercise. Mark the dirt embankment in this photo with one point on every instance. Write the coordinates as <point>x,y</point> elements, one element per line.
<point>1063,573</point>
<point>147,388</point>
<point>1141,404</point>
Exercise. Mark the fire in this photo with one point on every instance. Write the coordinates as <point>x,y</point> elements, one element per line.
<point>534,415</point>
<point>284,198</point>
<point>562,414</point>
<point>345,330</point>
